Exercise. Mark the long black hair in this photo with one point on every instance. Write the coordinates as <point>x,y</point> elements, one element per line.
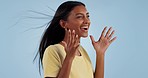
<point>54,33</point>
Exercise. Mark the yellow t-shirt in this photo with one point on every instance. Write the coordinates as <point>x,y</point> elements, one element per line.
<point>54,56</point>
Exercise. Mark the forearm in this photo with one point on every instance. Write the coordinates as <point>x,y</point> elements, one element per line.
<point>99,71</point>
<point>66,68</point>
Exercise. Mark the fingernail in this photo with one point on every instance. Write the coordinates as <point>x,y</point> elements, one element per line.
<point>73,31</point>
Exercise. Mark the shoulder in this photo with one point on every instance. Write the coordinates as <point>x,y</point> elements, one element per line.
<point>55,50</point>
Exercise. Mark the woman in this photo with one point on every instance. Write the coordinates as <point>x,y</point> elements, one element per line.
<point>60,51</point>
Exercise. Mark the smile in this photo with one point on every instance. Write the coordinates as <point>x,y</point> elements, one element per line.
<point>84,28</point>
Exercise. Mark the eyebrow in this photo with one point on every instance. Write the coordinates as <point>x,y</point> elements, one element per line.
<point>82,13</point>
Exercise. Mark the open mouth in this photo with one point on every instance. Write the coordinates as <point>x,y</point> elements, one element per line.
<point>84,28</point>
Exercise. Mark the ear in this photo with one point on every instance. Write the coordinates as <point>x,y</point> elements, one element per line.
<point>63,23</point>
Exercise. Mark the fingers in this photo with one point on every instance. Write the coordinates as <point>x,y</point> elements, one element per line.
<point>76,42</point>
<point>112,40</point>
<point>66,35</point>
<point>108,34</point>
<point>103,32</point>
<point>92,39</point>
<point>72,39</point>
<point>64,43</point>
<point>69,37</point>
<point>73,36</point>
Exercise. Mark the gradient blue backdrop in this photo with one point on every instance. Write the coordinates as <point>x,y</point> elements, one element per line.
<point>125,58</point>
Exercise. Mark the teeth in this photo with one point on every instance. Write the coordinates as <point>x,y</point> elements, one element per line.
<point>84,27</point>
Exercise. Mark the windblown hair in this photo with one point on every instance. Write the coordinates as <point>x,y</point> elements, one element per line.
<point>54,33</point>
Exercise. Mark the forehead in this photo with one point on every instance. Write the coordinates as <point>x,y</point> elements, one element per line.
<point>79,9</point>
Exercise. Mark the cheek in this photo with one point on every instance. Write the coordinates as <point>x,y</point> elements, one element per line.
<point>75,25</point>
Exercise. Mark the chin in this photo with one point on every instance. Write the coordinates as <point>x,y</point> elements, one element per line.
<point>84,35</point>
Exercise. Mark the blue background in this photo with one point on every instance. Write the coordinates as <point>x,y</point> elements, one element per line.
<point>125,58</point>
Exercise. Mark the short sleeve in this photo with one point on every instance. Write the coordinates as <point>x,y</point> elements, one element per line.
<point>51,62</point>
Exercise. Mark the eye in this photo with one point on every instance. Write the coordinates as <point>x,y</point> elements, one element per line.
<point>88,16</point>
<point>79,17</point>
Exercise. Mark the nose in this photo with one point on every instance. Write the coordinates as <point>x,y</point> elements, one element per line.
<point>86,20</point>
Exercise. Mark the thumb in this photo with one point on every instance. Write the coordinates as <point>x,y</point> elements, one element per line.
<point>92,39</point>
<point>64,44</point>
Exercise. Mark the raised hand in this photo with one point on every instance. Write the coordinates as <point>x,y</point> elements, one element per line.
<point>104,41</point>
<point>71,43</point>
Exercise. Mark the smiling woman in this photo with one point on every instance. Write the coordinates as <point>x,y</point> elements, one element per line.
<point>60,51</point>
<point>78,20</point>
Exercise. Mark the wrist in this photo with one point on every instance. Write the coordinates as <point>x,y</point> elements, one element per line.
<point>100,53</point>
<point>68,58</point>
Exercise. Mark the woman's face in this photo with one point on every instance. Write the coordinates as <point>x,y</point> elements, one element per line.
<point>79,21</point>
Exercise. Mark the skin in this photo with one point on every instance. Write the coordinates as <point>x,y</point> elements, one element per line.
<point>78,18</point>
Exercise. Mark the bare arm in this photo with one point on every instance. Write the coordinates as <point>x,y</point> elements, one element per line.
<point>101,46</point>
<point>99,71</point>
<point>66,67</point>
